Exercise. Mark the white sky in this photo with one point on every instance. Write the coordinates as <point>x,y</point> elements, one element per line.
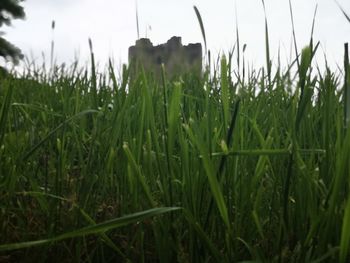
<point>111,24</point>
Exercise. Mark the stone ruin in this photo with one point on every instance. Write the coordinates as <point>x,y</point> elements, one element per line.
<point>177,59</point>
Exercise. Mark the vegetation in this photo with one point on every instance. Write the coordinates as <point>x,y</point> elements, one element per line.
<point>240,165</point>
<point>9,9</point>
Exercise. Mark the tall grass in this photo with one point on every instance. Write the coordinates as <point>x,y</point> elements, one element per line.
<point>94,167</point>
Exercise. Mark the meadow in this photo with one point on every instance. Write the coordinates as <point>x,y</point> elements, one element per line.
<point>237,165</point>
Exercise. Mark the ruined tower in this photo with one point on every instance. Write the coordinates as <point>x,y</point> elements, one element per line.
<point>177,59</point>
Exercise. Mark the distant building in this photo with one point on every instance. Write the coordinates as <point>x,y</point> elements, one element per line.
<point>177,59</point>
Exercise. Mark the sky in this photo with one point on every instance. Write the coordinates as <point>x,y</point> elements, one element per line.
<point>112,27</point>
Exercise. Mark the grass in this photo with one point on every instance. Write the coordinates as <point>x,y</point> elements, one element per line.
<point>222,168</point>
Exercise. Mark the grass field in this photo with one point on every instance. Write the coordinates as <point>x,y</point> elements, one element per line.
<point>239,165</point>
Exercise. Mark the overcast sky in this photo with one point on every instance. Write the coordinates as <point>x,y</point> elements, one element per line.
<point>111,24</point>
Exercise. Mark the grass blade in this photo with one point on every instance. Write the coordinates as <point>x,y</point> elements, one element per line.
<point>306,92</point>
<point>346,86</point>
<point>36,146</point>
<point>213,180</point>
<point>205,238</point>
<point>200,21</point>
<point>267,47</point>
<point>225,95</point>
<point>293,29</point>
<point>173,118</point>
<point>93,77</point>
<point>94,229</point>
<point>345,235</point>
<point>5,108</point>
<point>343,11</point>
<point>135,167</point>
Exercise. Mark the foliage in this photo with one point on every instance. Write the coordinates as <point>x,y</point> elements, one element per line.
<point>261,173</point>
<point>10,9</point>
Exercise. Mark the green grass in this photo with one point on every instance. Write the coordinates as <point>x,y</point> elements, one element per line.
<point>229,167</point>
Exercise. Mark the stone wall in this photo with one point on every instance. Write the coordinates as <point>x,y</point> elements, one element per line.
<point>177,59</point>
